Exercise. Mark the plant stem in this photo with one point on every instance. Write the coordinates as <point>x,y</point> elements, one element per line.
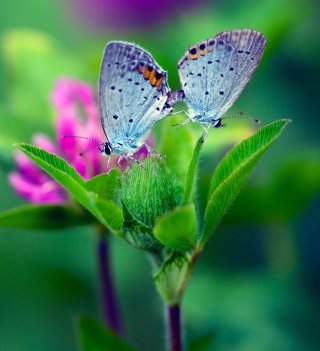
<point>174,328</point>
<point>108,295</point>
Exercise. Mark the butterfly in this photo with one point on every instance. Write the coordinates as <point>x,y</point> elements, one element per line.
<point>133,91</point>
<point>213,73</point>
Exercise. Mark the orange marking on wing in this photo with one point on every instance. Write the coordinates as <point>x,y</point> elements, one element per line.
<point>194,56</point>
<point>152,77</point>
<point>142,69</point>
<point>159,80</point>
<point>203,52</point>
<point>147,73</point>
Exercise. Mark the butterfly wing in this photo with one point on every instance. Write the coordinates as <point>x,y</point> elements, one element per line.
<point>249,45</point>
<point>133,90</point>
<point>213,73</point>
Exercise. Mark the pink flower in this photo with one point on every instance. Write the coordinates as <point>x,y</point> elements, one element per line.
<point>69,98</point>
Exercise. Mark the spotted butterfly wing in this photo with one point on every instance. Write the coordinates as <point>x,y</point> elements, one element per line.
<point>214,72</point>
<point>133,90</point>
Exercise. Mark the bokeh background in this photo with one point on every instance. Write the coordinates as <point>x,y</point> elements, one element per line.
<point>257,285</point>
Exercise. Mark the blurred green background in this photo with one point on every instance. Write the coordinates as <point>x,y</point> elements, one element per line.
<point>257,285</point>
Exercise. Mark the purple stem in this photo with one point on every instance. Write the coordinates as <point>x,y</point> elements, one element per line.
<point>174,328</point>
<point>108,295</point>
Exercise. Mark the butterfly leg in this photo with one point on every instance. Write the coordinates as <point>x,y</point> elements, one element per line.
<point>185,121</point>
<point>150,149</point>
<point>177,112</point>
<point>108,165</point>
<point>119,164</point>
<point>134,160</point>
<point>205,127</point>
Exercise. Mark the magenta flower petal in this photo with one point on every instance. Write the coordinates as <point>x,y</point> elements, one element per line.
<point>29,169</point>
<point>80,165</point>
<point>60,96</point>
<point>47,192</point>
<point>44,142</point>
<point>66,124</point>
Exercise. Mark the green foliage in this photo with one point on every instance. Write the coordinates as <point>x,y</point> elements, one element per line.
<point>95,337</point>
<point>45,217</point>
<point>178,230</point>
<point>146,193</point>
<point>149,192</point>
<point>152,217</point>
<point>234,170</point>
<point>105,211</point>
<point>137,233</point>
<point>171,277</point>
<point>104,184</point>
<point>189,188</point>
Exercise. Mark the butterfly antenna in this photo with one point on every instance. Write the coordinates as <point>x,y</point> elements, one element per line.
<point>92,147</point>
<point>81,137</point>
<point>241,116</point>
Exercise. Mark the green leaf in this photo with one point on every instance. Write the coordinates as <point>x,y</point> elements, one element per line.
<point>172,277</point>
<point>177,144</point>
<point>137,233</point>
<point>234,170</point>
<point>178,229</point>
<point>105,211</point>
<point>191,174</point>
<point>110,213</point>
<point>104,184</point>
<point>95,337</point>
<point>49,217</point>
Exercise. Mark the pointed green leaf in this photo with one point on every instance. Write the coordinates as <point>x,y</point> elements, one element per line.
<point>105,211</point>
<point>44,217</point>
<point>104,184</point>
<point>109,211</point>
<point>178,230</point>
<point>234,170</point>
<point>95,337</point>
<point>191,174</point>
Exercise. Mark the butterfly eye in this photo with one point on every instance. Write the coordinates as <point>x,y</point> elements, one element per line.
<point>216,123</point>
<point>106,149</point>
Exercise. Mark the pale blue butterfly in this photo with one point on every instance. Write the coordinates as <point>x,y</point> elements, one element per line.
<point>214,72</point>
<point>133,91</point>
